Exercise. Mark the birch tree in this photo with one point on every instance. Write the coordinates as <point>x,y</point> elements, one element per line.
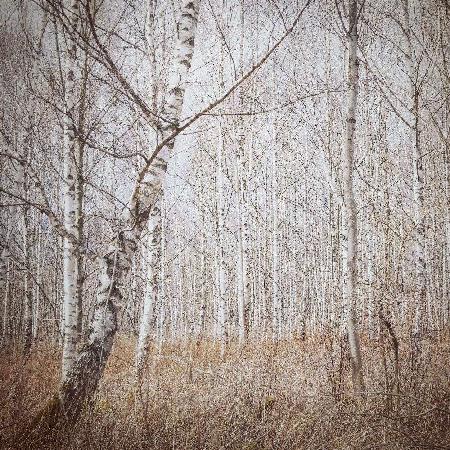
<point>153,259</point>
<point>28,292</point>
<point>71,161</point>
<point>243,286</point>
<point>276,299</point>
<point>220,251</point>
<point>350,235</point>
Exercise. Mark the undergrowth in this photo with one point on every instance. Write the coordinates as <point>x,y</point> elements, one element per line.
<point>293,395</point>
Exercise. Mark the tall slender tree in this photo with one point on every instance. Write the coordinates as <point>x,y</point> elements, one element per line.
<point>154,229</point>
<point>350,233</point>
<point>71,153</point>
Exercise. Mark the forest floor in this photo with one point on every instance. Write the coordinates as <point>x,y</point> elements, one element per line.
<point>294,395</point>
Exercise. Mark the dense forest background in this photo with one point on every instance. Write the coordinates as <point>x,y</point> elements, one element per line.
<point>225,224</point>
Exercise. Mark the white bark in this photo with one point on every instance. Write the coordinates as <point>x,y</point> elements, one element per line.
<point>152,286</point>
<point>276,298</point>
<point>242,179</point>
<point>349,250</point>
<point>36,311</point>
<point>27,288</point>
<point>242,257</point>
<point>153,259</point>
<point>221,311</point>
<point>221,282</point>
<point>71,142</point>
<point>203,287</point>
<point>160,325</point>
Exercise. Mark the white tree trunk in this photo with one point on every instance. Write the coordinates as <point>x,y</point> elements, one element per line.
<point>242,257</point>
<point>242,179</point>
<point>221,282</point>
<point>349,250</point>
<point>152,286</point>
<point>153,259</point>
<point>276,298</point>
<point>161,321</point>
<point>71,142</point>
<point>203,288</point>
<point>27,288</point>
<point>36,311</point>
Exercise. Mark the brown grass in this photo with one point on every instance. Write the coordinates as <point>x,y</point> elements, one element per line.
<point>294,395</point>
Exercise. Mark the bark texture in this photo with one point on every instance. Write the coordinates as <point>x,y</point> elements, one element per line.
<point>71,145</point>
<point>153,260</point>
<point>152,286</point>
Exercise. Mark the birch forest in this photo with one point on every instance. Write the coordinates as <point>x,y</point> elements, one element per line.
<point>225,224</point>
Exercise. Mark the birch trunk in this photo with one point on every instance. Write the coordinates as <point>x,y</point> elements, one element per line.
<point>152,286</point>
<point>276,298</point>
<point>27,288</point>
<point>71,144</point>
<point>242,171</point>
<point>203,294</point>
<point>82,380</point>
<point>242,278</point>
<point>349,250</point>
<point>79,217</point>
<point>221,304</point>
<point>221,321</point>
<point>21,183</point>
<point>154,225</point>
<point>161,321</point>
<point>80,259</point>
<point>80,190</point>
<point>36,311</point>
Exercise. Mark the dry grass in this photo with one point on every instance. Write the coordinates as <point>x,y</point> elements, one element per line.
<point>295,395</point>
